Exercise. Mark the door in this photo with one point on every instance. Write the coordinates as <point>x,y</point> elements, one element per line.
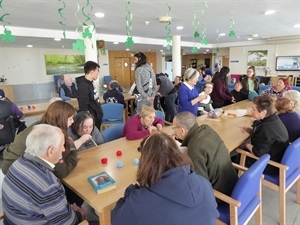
<point>122,72</point>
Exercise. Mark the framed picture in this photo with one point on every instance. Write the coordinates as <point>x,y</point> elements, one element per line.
<point>62,64</point>
<point>257,58</point>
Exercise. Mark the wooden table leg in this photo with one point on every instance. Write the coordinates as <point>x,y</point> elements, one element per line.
<point>126,110</point>
<point>104,218</point>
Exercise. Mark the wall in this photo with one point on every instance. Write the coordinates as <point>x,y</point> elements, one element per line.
<point>239,56</point>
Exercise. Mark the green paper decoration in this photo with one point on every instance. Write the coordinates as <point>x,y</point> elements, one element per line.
<point>62,23</point>
<point>129,42</point>
<point>204,41</point>
<point>87,15</point>
<point>168,37</point>
<point>78,45</point>
<point>218,49</point>
<point>7,36</point>
<point>86,33</point>
<point>196,34</point>
<point>231,31</point>
<point>194,50</point>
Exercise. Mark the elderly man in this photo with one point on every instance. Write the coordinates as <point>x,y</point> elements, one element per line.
<point>31,193</point>
<point>68,90</point>
<point>207,151</point>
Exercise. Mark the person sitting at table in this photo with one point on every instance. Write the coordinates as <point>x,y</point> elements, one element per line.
<point>268,135</point>
<point>237,92</point>
<point>59,114</point>
<point>206,104</point>
<point>207,151</point>
<point>277,90</point>
<point>142,124</point>
<point>113,95</point>
<point>290,118</point>
<point>167,191</point>
<point>68,90</point>
<point>250,82</point>
<point>83,132</point>
<point>188,95</point>
<point>220,94</point>
<point>294,95</point>
<point>31,194</point>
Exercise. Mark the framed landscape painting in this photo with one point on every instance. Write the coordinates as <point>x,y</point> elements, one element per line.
<point>64,64</point>
<point>257,58</point>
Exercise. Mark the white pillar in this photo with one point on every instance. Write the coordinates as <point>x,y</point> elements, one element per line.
<point>176,55</point>
<point>91,51</point>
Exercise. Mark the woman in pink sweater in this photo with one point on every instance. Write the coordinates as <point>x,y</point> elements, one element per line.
<point>142,124</point>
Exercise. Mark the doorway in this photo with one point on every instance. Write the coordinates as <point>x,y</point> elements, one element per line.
<point>122,72</point>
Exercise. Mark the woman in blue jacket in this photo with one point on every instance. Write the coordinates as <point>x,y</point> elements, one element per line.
<point>168,191</point>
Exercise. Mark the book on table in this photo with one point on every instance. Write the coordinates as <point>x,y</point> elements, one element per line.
<point>102,182</point>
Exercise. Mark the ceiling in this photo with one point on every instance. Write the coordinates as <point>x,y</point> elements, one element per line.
<point>248,17</point>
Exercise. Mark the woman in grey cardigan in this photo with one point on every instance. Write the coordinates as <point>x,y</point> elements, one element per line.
<point>145,79</point>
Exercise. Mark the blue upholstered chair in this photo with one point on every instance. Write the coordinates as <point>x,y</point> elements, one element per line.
<point>112,133</point>
<point>161,115</point>
<point>107,79</point>
<point>245,199</point>
<point>289,174</point>
<point>113,113</point>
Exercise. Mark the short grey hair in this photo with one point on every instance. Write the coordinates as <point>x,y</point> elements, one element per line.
<point>190,73</point>
<point>41,138</point>
<point>294,95</point>
<point>186,119</point>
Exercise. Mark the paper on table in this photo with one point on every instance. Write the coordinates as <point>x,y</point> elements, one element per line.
<point>235,112</point>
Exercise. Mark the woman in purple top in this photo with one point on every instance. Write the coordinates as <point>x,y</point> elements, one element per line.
<point>188,95</point>
<point>290,118</point>
<point>143,124</point>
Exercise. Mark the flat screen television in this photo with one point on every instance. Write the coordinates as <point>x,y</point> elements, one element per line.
<point>288,63</point>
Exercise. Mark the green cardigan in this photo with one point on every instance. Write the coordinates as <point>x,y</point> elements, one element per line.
<point>210,157</point>
<point>17,149</point>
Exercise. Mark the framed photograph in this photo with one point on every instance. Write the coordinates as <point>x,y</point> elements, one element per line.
<point>257,58</point>
<point>62,64</point>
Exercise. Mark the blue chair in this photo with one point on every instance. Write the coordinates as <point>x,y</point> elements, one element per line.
<point>289,174</point>
<point>161,115</point>
<point>107,79</point>
<point>113,113</point>
<point>112,133</point>
<point>245,199</point>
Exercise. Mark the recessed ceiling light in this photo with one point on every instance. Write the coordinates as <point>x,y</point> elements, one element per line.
<point>254,35</point>
<point>115,42</point>
<point>29,46</point>
<point>204,53</point>
<point>127,49</point>
<point>269,12</point>
<point>63,46</point>
<point>222,34</point>
<point>99,15</point>
<point>250,39</point>
<point>57,39</point>
<point>164,45</point>
<point>297,25</point>
<point>149,49</point>
<point>161,50</point>
<point>147,23</point>
<point>207,50</point>
<point>179,27</point>
<point>198,47</point>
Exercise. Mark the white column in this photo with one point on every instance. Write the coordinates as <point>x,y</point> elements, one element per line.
<point>91,52</point>
<point>176,55</point>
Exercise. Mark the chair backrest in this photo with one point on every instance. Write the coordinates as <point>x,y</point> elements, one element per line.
<point>112,112</point>
<point>113,132</point>
<point>291,157</point>
<point>247,186</point>
<point>7,130</point>
<point>160,115</point>
<point>107,79</point>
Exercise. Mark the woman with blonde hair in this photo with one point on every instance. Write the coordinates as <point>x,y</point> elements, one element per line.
<point>290,118</point>
<point>142,124</point>
<point>294,95</point>
<point>167,191</point>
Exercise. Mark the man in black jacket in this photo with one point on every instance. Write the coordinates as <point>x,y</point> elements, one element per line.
<point>88,98</point>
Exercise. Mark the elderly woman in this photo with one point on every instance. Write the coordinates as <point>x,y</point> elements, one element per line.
<point>295,97</point>
<point>290,118</point>
<point>173,192</point>
<point>143,124</point>
<point>277,90</point>
<point>188,95</point>
<point>83,133</point>
<point>268,134</point>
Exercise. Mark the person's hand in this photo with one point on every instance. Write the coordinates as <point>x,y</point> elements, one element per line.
<point>245,129</point>
<point>233,100</point>
<point>150,100</point>
<point>152,129</point>
<point>84,138</point>
<point>159,127</point>
<point>80,210</point>
<point>249,111</point>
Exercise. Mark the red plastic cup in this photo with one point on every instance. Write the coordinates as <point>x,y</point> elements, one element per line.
<point>104,160</point>
<point>119,153</point>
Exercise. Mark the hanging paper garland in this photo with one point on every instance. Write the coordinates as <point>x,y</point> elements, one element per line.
<point>62,23</point>
<point>194,50</point>
<point>231,31</point>
<point>7,35</point>
<point>79,45</point>
<point>168,36</point>
<point>218,37</point>
<point>129,42</point>
<point>204,40</point>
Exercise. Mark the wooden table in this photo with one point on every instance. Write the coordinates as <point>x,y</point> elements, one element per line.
<point>40,108</point>
<point>89,161</point>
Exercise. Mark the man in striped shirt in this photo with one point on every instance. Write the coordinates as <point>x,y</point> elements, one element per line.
<point>31,193</point>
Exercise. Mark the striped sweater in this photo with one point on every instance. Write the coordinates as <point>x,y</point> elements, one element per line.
<point>32,194</point>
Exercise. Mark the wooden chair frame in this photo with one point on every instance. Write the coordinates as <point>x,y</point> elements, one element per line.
<point>281,188</point>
